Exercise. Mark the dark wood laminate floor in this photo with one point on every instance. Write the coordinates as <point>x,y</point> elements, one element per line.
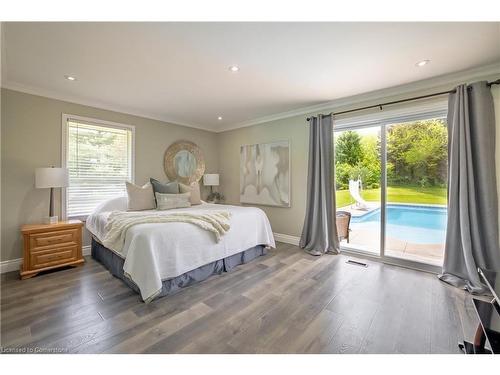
<point>285,302</point>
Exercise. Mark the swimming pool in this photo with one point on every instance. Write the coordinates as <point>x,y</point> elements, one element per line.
<point>417,224</point>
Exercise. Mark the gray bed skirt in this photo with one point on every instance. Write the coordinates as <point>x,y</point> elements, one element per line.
<point>114,264</point>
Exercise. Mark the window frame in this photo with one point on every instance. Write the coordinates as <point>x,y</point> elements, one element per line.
<point>409,112</point>
<point>64,152</point>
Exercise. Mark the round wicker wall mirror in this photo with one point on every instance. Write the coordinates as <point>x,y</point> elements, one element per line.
<point>184,162</point>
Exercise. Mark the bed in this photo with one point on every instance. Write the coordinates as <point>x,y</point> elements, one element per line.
<point>158,259</point>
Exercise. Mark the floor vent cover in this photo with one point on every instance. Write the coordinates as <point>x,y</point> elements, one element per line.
<point>356,263</point>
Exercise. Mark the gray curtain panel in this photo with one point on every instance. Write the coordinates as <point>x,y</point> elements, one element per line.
<point>319,234</point>
<point>472,231</point>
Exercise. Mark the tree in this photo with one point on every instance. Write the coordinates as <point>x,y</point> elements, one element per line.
<point>370,145</point>
<point>417,152</point>
<point>348,148</point>
<point>357,157</point>
<point>99,150</point>
<point>416,155</point>
<point>342,175</point>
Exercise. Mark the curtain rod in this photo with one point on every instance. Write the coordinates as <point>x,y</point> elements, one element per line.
<point>489,84</point>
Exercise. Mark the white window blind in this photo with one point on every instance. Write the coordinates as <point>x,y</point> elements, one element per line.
<point>99,159</point>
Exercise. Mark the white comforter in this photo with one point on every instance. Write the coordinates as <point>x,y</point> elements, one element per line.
<point>157,251</point>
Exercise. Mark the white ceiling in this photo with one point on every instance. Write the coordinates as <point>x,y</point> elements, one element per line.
<point>178,72</point>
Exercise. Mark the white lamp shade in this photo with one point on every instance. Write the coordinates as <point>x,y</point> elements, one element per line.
<point>211,179</point>
<point>51,177</point>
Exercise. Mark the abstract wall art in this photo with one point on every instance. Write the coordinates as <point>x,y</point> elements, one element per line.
<point>265,174</point>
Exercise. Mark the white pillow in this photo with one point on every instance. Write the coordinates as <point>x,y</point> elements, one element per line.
<point>170,201</point>
<point>194,189</point>
<point>140,197</point>
<point>114,204</point>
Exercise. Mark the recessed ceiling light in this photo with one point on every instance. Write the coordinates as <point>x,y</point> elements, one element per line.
<point>70,78</point>
<point>422,63</point>
<point>234,68</point>
<point>219,118</point>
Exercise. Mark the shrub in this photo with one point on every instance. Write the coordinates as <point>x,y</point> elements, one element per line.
<point>424,182</point>
<point>342,172</point>
<point>359,172</point>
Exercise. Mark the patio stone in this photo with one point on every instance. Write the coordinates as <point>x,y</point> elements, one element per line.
<point>369,240</point>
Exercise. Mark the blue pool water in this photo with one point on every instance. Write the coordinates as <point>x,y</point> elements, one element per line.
<point>417,224</point>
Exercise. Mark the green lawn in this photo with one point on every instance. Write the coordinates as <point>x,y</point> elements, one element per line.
<point>398,194</point>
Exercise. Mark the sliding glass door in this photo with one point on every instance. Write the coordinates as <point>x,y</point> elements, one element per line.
<point>358,192</point>
<point>417,153</point>
<point>391,180</point>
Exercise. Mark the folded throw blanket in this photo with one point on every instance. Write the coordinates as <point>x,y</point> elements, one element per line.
<point>217,222</point>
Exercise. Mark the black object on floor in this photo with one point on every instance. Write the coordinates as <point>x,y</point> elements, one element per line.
<point>356,263</point>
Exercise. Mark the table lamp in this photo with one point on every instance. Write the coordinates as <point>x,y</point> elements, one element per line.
<point>51,178</point>
<point>211,180</point>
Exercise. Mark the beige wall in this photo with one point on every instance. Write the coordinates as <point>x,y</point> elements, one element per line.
<point>289,221</point>
<point>31,138</point>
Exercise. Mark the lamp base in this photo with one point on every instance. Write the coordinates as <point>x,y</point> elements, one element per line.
<point>50,219</point>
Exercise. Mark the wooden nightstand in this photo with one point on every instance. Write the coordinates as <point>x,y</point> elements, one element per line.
<point>48,246</point>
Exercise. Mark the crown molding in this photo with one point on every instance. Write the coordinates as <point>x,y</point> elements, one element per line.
<point>11,85</point>
<point>427,84</point>
<point>412,87</point>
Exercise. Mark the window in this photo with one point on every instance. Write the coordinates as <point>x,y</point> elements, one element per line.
<point>99,156</point>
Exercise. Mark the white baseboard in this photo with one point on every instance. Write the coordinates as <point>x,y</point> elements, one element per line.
<point>86,250</point>
<point>15,264</point>
<point>286,238</point>
<point>10,265</point>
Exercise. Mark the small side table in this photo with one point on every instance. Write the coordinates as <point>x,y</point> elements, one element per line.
<point>49,246</point>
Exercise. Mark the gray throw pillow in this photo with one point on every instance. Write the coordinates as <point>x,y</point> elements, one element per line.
<point>168,188</point>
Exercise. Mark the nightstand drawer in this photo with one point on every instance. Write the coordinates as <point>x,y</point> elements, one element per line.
<point>42,259</point>
<point>40,241</point>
